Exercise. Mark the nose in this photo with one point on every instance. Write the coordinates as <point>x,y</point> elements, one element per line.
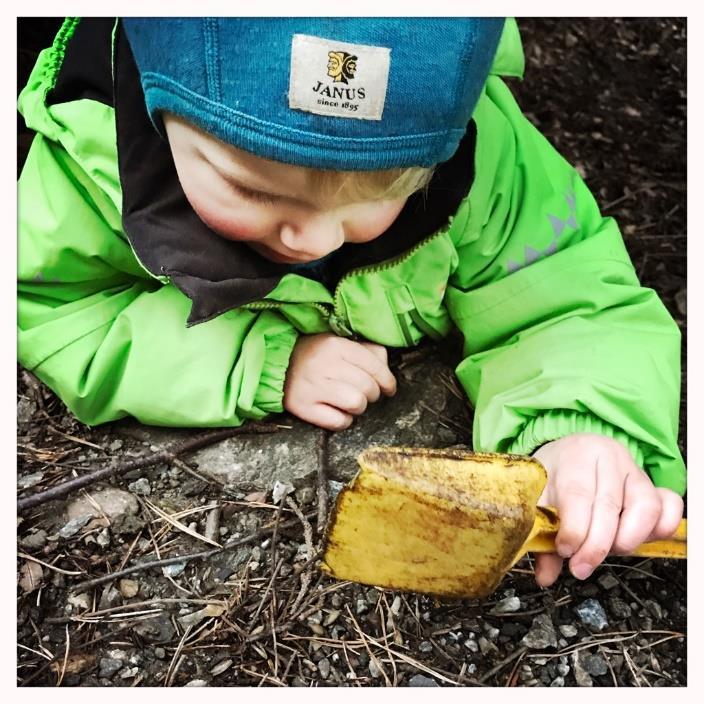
<point>315,236</point>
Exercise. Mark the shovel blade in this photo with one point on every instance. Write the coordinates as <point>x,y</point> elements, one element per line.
<point>443,522</point>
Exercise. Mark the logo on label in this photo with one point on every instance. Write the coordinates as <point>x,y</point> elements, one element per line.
<point>321,73</point>
<point>341,66</point>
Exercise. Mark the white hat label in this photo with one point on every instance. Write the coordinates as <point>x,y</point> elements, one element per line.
<point>338,79</point>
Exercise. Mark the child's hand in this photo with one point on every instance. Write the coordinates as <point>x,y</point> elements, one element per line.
<point>606,503</point>
<point>331,379</point>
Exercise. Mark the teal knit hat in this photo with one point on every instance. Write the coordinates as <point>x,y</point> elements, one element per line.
<point>337,93</point>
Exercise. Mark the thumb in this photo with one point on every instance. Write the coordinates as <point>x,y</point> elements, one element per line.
<point>547,568</point>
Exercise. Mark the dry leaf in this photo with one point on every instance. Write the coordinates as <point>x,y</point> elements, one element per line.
<point>77,662</point>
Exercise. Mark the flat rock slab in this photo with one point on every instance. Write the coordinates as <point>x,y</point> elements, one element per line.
<point>427,411</point>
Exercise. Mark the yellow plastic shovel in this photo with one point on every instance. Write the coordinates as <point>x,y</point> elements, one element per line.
<point>445,522</point>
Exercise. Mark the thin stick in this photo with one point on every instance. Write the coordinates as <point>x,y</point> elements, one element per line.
<point>167,455</point>
<point>173,560</point>
<point>502,664</point>
<point>322,479</point>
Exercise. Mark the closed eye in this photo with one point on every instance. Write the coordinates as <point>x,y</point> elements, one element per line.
<point>256,196</point>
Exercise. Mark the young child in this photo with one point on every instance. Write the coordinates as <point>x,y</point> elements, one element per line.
<point>224,218</point>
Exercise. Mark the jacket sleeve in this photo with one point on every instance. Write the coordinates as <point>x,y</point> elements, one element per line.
<point>109,339</point>
<point>559,336</point>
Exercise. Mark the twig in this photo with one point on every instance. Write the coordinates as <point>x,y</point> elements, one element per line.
<point>47,565</point>
<point>166,455</point>
<point>499,666</point>
<point>322,479</point>
<point>65,662</point>
<point>173,560</point>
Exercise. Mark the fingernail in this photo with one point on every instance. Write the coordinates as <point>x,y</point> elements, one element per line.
<point>564,550</point>
<point>582,570</point>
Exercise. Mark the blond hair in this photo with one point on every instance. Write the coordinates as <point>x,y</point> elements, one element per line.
<point>354,186</point>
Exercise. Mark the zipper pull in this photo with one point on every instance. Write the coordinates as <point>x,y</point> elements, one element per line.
<point>339,326</point>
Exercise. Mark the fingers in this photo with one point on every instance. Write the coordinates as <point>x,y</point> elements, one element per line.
<point>326,416</point>
<point>576,491</point>
<point>373,360</point>
<point>547,568</point>
<point>672,508</point>
<point>604,525</point>
<point>642,509</point>
<point>360,379</point>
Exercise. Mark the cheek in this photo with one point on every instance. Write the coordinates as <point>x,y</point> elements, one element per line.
<point>232,222</point>
<point>368,225</point>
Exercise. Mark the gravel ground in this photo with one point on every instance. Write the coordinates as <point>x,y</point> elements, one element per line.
<point>610,95</point>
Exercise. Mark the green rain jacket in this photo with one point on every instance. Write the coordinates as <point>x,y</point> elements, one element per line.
<point>559,336</point>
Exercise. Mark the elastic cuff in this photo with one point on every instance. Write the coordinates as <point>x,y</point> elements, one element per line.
<point>554,425</point>
<point>269,395</point>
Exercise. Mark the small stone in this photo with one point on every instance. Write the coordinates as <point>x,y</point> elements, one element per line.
<point>472,645</point>
<point>558,682</point>
<point>568,630</point>
<point>492,633</point>
<point>332,617</point>
<point>305,495</point>
<point>280,490</point>
<point>103,538</point>
<point>362,605</point>
<point>74,525</point>
<point>324,668</point>
<point>595,664</point>
<point>563,670</point>
<point>34,541</point>
<point>115,445</point>
<point>654,608</point>
<point>541,634</point>
<point>334,488</point>
<point>155,630</point>
<point>129,672</point>
<point>109,666</point>
<point>196,683</point>
<point>619,608</point>
<point>426,647</point>
<point>112,502</point>
<point>129,588</point>
<point>591,613</point>
<point>159,652</point>
<point>607,581</point>
<point>485,645</point>
<point>507,605</point>
<point>337,601</point>
<point>82,601</point>
<point>173,570</point>
<point>422,681</point>
<point>317,629</point>
<point>141,487</point>
<point>471,668</point>
<point>580,674</point>
<point>26,408</point>
<point>396,606</point>
<point>29,480</point>
<point>570,40</point>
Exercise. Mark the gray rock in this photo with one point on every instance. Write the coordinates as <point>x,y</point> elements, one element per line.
<point>471,645</point>
<point>159,652</point>
<point>174,570</point>
<point>196,683</point>
<point>74,525</point>
<point>563,670</point>
<point>592,614</point>
<point>155,630</point>
<point>568,630</point>
<point>422,681</point>
<point>541,634</point>
<point>619,608</point>
<point>34,541</point>
<point>26,408</point>
<point>103,538</point>
<point>558,682</point>
<point>581,676</point>
<point>654,608</point>
<point>114,503</point>
<point>507,605</point>
<point>374,670</point>
<point>115,445</point>
<point>485,645</point>
<point>109,666</point>
<point>594,664</point>
<point>141,487</point>
<point>362,605</point>
<point>426,647</point>
<point>29,480</point>
<point>492,633</point>
<point>399,420</point>
<point>607,581</point>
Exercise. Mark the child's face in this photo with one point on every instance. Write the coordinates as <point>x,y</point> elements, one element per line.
<point>267,204</point>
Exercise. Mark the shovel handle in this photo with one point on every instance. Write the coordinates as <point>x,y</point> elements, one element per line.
<point>542,538</point>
